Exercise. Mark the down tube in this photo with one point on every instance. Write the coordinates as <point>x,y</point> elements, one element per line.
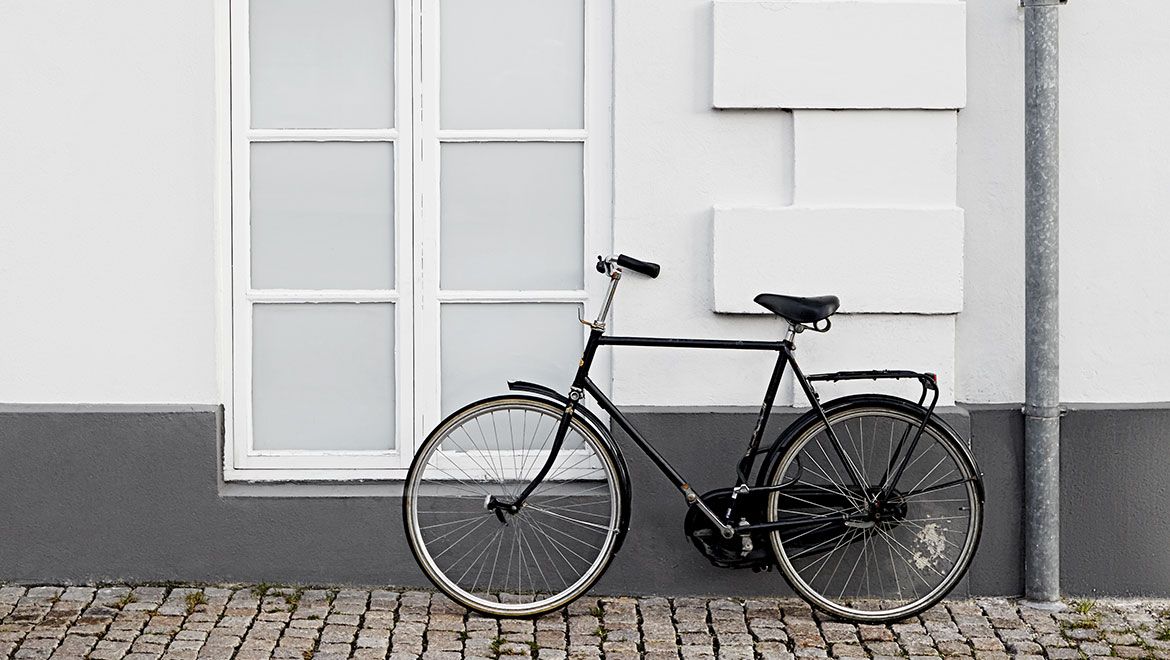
<point>663,465</point>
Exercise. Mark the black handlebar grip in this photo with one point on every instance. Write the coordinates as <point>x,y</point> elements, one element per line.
<point>638,266</point>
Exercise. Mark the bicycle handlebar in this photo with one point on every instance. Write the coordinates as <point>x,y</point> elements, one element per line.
<point>646,268</point>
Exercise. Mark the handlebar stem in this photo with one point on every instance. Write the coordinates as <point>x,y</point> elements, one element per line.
<point>615,276</point>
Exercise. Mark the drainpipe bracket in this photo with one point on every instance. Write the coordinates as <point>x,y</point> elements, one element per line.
<point>1043,412</point>
<point>1042,3</point>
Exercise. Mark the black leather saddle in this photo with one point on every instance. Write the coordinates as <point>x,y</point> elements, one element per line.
<point>797,309</point>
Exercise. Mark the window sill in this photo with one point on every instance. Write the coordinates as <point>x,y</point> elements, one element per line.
<point>303,489</point>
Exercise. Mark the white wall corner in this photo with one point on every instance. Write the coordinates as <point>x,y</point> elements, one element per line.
<point>839,54</point>
<point>897,260</point>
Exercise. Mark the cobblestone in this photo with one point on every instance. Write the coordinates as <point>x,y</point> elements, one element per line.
<point>234,622</point>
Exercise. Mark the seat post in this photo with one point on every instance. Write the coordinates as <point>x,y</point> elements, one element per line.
<point>793,329</point>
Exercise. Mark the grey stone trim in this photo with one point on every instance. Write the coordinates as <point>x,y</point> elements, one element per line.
<point>102,492</point>
<point>117,408</point>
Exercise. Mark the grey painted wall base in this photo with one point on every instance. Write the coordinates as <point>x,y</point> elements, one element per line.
<point>134,494</point>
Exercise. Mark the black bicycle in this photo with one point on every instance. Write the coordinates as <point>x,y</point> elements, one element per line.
<point>870,505</point>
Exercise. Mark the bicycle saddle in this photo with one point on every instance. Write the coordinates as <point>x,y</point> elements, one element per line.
<point>797,309</point>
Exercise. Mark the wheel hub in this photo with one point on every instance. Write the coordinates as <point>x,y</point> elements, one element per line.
<point>887,512</point>
<point>500,506</point>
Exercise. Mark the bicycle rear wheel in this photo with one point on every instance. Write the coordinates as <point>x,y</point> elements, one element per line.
<point>512,564</point>
<point>853,555</point>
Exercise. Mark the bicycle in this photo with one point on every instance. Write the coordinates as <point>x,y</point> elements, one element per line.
<point>515,504</point>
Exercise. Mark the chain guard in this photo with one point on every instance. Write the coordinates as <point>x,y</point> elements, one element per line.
<point>729,553</point>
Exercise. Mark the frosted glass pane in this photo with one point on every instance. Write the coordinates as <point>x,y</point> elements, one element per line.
<point>322,63</point>
<point>322,215</point>
<point>486,345</point>
<point>323,376</point>
<point>512,63</point>
<point>512,216</point>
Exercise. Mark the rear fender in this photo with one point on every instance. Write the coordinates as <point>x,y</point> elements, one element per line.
<point>790,434</point>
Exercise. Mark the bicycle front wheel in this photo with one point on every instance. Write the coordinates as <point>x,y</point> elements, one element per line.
<point>500,563</point>
<point>854,554</point>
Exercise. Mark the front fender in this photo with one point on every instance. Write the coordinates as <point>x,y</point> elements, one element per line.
<point>602,432</point>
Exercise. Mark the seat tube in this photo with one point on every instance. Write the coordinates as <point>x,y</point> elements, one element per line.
<point>744,469</point>
<point>765,411</point>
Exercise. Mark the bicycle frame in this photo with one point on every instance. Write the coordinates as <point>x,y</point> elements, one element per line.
<point>784,348</point>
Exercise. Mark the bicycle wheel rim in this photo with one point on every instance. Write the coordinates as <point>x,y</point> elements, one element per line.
<point>532,601</point>
<point>962,553</point>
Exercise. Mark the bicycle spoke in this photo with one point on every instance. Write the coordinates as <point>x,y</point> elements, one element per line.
<point>853,444</point>
<point>542,537</point>
<point>557,542</point>
<point>458,467</point>
<point>941,530</point>
<point>934,488</point>
<point>456,541</point>
<point>577,511</point>
<point>486,546</point>
<point>490,472</point>
<point>909,555</point>
<point>845,539</point>
<point>535,561</point>
<point>465,521</point>
<point>807,532</point>
<point>587,490</point>
<point>849,577</point>
<point>890,558</point>
<point>818,487</point>
<point>821,544</point>
<point>841,489</point>
<point>582,523</point>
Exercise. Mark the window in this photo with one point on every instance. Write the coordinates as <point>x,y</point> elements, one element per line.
<point>417,190</point>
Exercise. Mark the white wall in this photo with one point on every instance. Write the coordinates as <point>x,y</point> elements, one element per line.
<point>1115,203</point>
<point>107,271</point>
<point>676,159</point>
<point>107,278</point>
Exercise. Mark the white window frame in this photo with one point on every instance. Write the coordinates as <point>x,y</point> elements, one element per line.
<point>416,298</point>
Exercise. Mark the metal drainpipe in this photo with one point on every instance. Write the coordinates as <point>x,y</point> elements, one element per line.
<point>1042,321</point>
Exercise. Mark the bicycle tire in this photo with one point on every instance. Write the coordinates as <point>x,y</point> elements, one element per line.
<point>537,516</point>
<point>827,497</point>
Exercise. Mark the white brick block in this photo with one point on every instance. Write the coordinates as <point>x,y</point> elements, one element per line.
<point>894,260</point>
<point>839,54</point>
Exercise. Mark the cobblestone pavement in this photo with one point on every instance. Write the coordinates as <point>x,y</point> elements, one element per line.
<point>259,622</point>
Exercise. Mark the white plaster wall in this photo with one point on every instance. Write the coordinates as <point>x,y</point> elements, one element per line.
<point>1115,215</point>
<point>990,331</point>
<point>675,159</point>
<point>886,158</point>
<point>107,287</point>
